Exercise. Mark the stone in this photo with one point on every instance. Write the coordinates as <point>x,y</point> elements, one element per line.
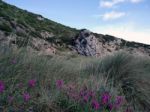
<point>87,44</point>
<point>46,34</point>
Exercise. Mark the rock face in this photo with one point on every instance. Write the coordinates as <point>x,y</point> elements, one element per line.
<point>47,35</point>
<point>89,44</point>
<point>86,43</point>
<point>41,46</point>
<point>44,47</point>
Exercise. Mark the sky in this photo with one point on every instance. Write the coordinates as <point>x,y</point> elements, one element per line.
<point>127,19</point>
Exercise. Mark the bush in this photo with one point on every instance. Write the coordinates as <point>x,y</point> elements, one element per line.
<point>5,27</point>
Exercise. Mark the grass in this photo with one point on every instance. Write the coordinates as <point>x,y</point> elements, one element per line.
<point>29,82</point>
<point>130,73</point>
<point>5,27</point>
<point>11,14</point>
<point>119,75</point>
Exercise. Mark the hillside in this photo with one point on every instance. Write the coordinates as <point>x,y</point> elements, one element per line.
<point>22,28</point>
<point>48,67</point>
<point>33,83</point>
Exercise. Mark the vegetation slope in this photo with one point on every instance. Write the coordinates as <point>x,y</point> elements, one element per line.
<point>117,83</point>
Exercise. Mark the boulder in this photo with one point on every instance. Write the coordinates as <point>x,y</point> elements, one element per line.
<point>87,44</point>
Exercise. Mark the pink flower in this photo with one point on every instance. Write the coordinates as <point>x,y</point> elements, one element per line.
<point>32,83</point>
<point>59,84</point>
<point>95,105</point>
<point>2,87</point>
<point>105,98</point>
<point>91,94</point>
<point>83,93</point>
<point>85,98</point>
<point>110,106</point>
<point>26,97</point>
<point>119,101</point>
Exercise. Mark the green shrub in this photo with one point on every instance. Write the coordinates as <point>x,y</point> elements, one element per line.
<point>5,27</point>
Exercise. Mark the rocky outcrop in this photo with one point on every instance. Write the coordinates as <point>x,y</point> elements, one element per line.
<point>89,44</point>
<point>46,34</point>
<point>40,46</point>
<point>44,47</point>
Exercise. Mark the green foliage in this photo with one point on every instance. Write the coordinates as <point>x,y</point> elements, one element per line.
<point>33,25</point>
<point>120,74</point>
<point>5,27</point>
<point>130,73</point>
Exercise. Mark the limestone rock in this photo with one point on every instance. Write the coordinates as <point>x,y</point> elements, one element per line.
<point>46,34</point>
<point>44,47</point>
<point>87,44</point>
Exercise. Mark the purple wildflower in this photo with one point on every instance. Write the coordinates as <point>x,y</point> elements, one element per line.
<point>95,105</point>
<point>119,101</point>
<point>110,107</point>
<point>105,98</point>
<point>2,87</point>
<point>32,83</point>
<point>26,97</point>
<point>91,94</point>
<point>59,84</point>
<point>83,93</point>
<point>85,98</point>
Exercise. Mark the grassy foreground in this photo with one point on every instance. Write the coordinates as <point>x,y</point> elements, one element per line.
<point>32,83</point>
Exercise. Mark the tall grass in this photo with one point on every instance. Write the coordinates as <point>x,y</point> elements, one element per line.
<point>119,74</point>
<point>130,73</point>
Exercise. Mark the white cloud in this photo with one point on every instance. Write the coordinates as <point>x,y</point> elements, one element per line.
<point>109,4</point>
<point>126,31</point>
<point>113,15</point>
<point>112,3</point>
<point>136,1</point>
